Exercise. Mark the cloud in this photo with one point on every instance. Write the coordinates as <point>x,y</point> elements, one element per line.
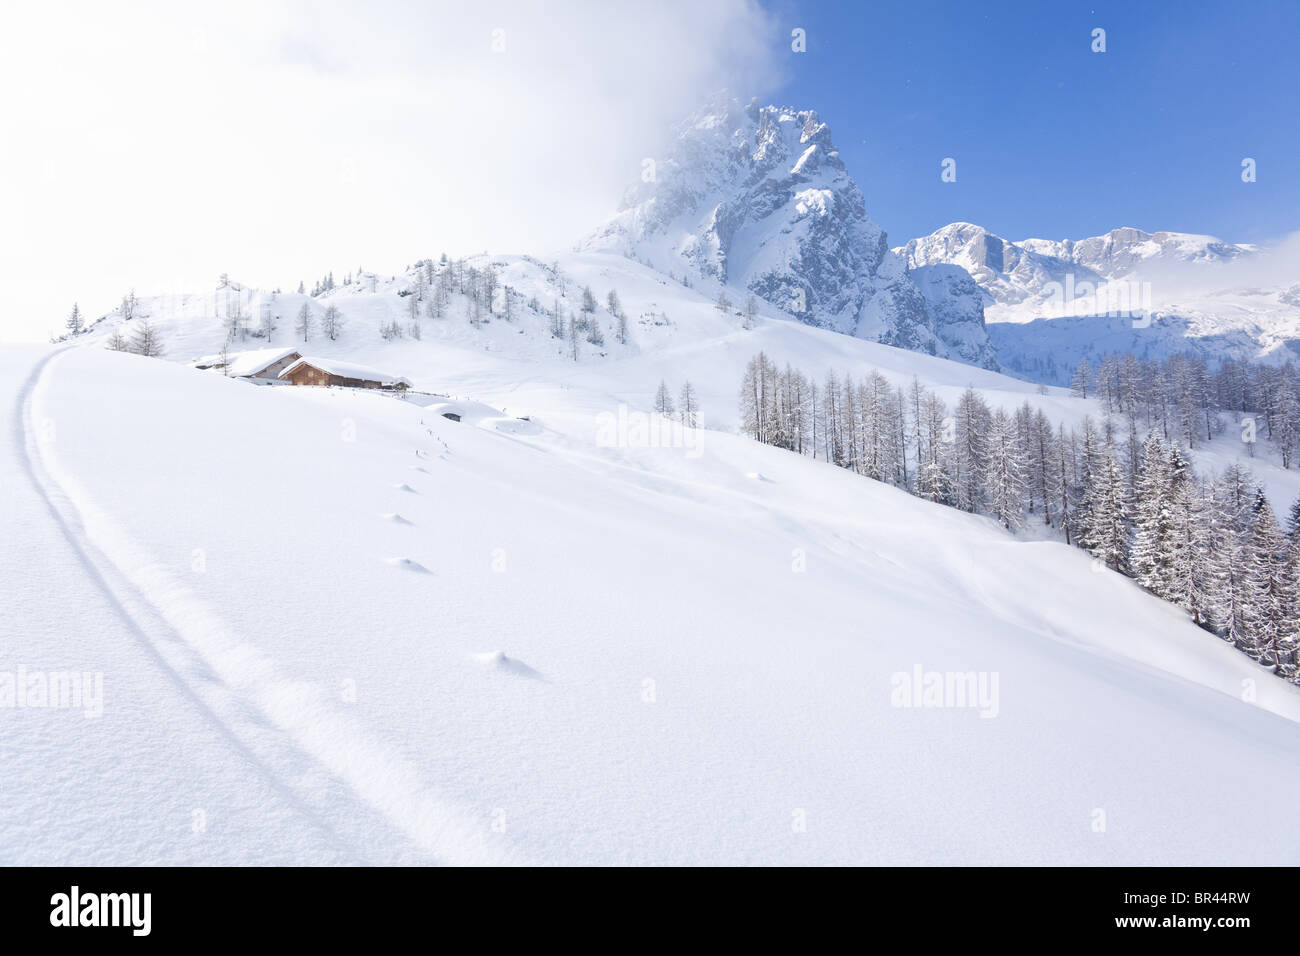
<point>158,146</point>
<point>1274,265</point>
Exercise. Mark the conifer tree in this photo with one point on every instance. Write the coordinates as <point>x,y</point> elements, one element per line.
<point>75,322</point>
<point>1106,533</point>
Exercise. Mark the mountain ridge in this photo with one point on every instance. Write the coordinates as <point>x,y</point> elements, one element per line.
<point>758,197</point>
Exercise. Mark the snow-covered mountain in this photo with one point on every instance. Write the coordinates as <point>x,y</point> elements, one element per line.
<point>758,198</point>
<point>1050,303</point>
<point>1017,277</point>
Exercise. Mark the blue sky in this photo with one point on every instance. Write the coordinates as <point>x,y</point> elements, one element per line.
<point>293,137</point>
<point>1051,139</point>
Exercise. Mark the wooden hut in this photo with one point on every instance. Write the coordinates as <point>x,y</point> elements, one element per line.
<point>319,371</point>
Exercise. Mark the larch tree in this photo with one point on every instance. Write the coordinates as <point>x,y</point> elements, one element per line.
<point>1005,472</point>
<point>305,323</point>
<point>1081,380</point>
<point>1106,533</point>
<point>663,400</point>
<point>1152,520</point>
<point>688,405</point>
<point>1270,594</point>
<point>331,323</point>
<point>146,340</point>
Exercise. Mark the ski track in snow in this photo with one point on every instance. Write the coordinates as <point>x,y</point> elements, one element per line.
<point>271,720</point>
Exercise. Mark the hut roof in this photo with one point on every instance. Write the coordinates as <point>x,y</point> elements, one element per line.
<point>250,363</point>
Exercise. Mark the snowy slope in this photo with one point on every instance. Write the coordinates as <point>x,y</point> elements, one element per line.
<point>675,334</point>
<point>503,641</point>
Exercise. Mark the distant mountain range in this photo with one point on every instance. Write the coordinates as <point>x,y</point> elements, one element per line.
<point>1050,303</point>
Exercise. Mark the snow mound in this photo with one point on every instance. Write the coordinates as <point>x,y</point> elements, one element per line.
<point>408,564</point>
<point>498,660</point>
<point>472,413</point>
<point>512,426</point>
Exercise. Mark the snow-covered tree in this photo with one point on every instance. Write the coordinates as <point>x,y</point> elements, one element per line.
<point>970,458</point>
<point>1293,523</point>
<point>1105,534</point>
<point>75,322</point>
<point>1151,553</point>
<point>1005,482</point>
<point>1270,593</point>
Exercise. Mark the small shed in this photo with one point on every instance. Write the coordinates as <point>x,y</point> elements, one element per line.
<point>321,371</point>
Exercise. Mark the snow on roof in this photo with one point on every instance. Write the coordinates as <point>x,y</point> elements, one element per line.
<point>250,363</point>
<point>347,370</point>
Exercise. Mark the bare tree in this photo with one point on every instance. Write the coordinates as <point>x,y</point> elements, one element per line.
<point>689,406</point>
<point>331,322</point>
<point>146,340</point>
<point>663,400</point>
<point>305,322</point>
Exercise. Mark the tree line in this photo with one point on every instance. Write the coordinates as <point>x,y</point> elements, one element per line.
<point>1120,489</point>
<point>1181,398</point>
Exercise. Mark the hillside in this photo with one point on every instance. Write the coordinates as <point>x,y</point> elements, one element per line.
<point>377,635</point>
